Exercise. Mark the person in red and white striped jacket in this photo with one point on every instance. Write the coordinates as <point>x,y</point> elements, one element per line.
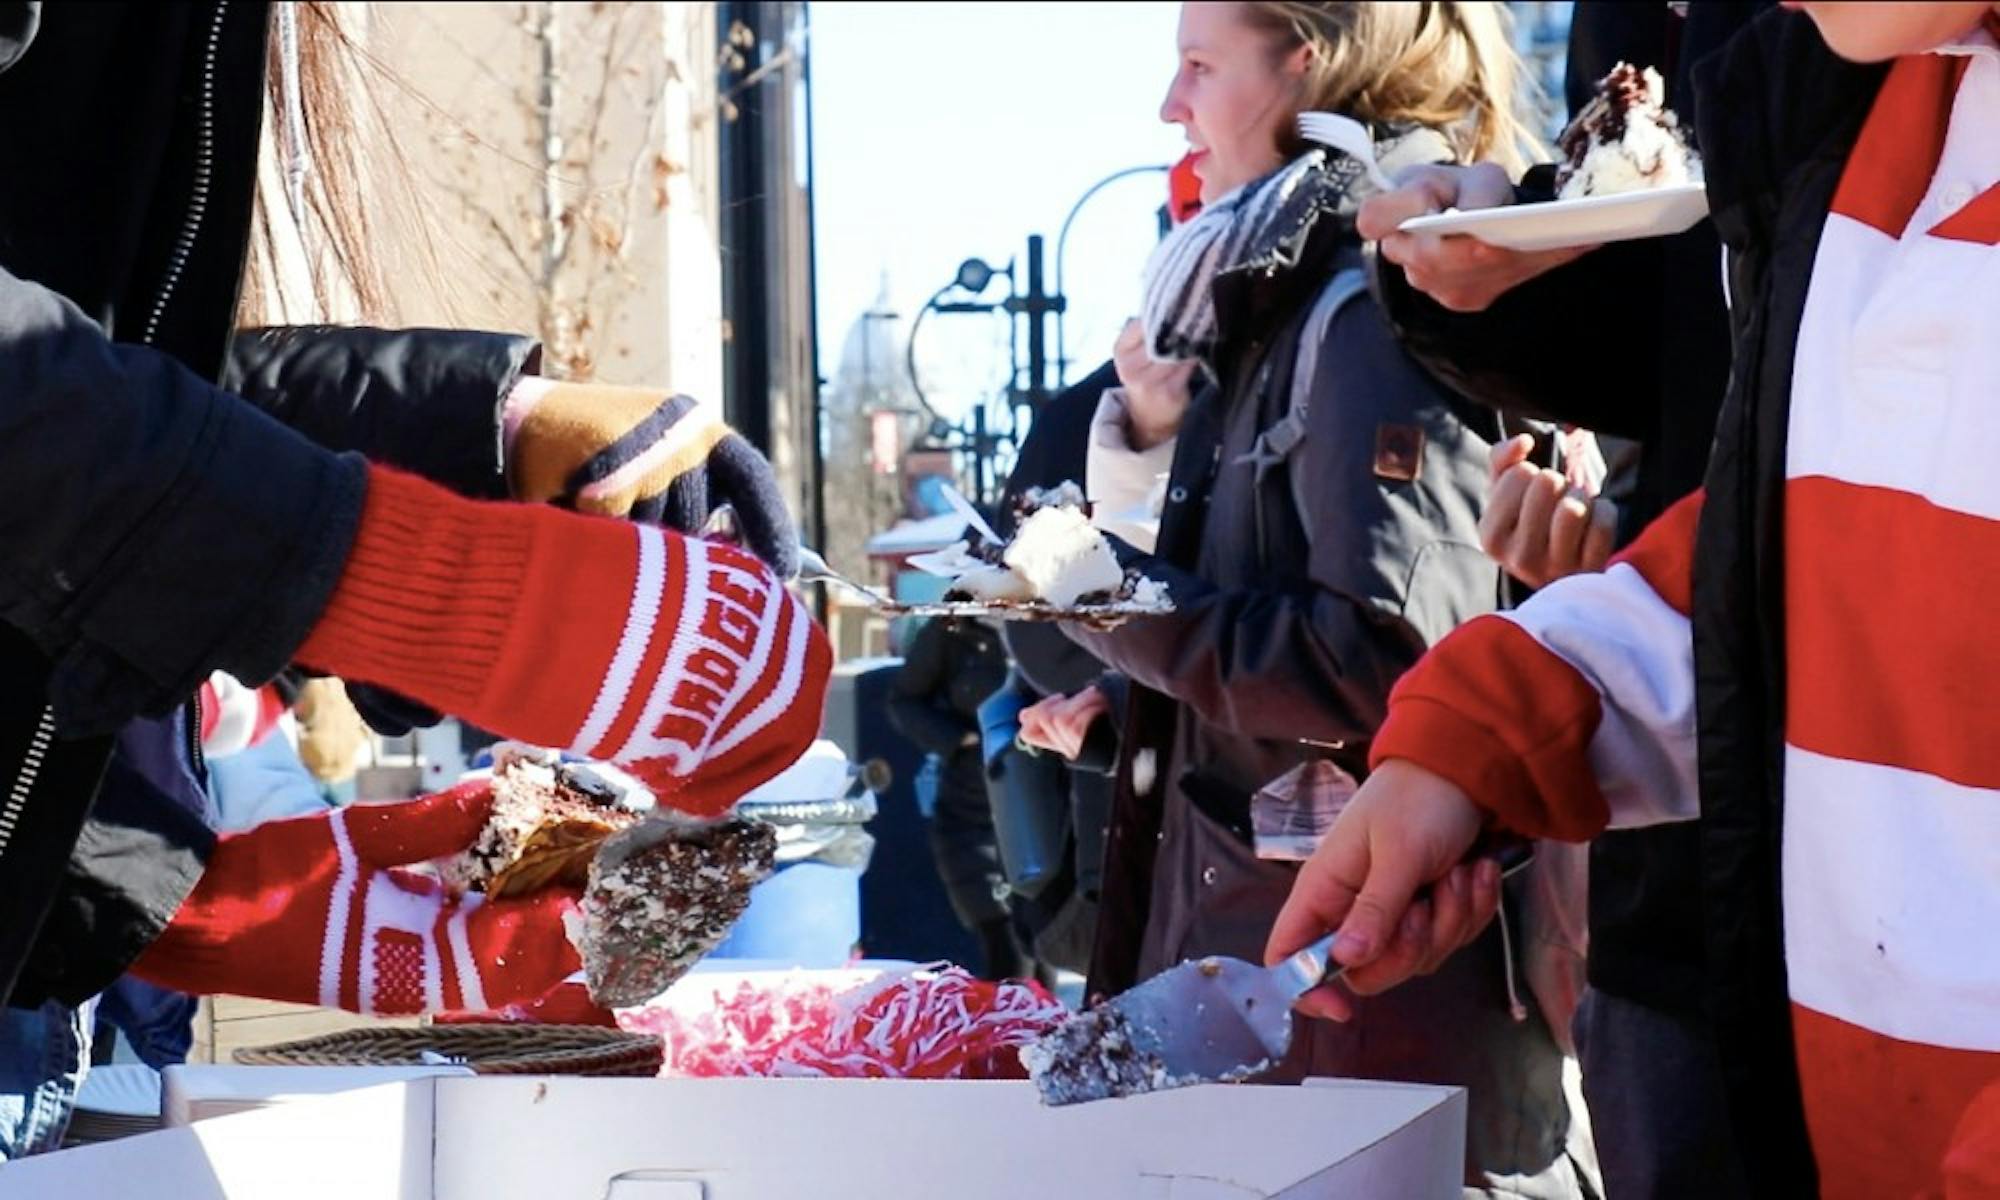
<point>1798,655</point>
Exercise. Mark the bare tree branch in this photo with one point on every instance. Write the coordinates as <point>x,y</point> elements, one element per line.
<point>479,64</point>
<point>611,210</point>
<point>777,62</point>
<point>569,244</point>
<point>611,43</point>
<point>465,132</point>
<point>555,218</point>
<point>645,153</point>
<point>505,237</point>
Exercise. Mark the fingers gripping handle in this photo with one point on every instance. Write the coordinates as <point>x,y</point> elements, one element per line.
<point>1313,966</point>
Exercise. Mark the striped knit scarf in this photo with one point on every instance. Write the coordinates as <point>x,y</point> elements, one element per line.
<point>1261,226</point>
<point>1255,225</point>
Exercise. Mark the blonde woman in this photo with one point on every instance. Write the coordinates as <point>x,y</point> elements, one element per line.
<point>1319,530</point>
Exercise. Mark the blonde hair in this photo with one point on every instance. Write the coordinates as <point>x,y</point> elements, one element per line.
<point>1448,66</point>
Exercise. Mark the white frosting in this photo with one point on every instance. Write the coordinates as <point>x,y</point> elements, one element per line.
<point>1151,594</point>
<point>1651,154</point>
<point>990,583</point>
<point>1648,156</point>
<point>1062,556</point>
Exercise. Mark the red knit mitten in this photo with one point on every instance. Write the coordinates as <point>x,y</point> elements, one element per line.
<point>314,910</point>
<point>681,660</point>
<point>567,1003</point>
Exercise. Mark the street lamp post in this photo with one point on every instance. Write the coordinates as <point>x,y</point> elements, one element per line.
<point>973,277</point>
<point>1062,245</point>
<point>1036,304</point>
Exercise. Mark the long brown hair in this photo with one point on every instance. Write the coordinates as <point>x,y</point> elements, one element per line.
<point>357,217</point>
<point>1449,66</point>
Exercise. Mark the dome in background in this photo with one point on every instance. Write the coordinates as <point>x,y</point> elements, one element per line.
<point>873,371</point>
<point>872,416</point>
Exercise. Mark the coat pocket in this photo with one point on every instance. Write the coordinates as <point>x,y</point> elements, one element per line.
<point>1225,898</point>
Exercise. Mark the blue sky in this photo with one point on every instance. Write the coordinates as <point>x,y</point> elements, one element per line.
<point>944,131</point>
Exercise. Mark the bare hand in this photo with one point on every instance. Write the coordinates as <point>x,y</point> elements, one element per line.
<point>1404,828</point>
<point>1538,526</point>
<point>1461,273</point>
<point>1156,393</point>
<point>1060,723</point>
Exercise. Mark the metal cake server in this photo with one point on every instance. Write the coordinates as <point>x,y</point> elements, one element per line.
<point>1209,1020</point>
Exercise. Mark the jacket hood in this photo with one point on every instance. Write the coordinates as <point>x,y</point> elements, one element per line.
<point>18,22</point>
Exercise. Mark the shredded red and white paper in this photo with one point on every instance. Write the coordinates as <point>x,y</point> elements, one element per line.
<point>914,1024</point>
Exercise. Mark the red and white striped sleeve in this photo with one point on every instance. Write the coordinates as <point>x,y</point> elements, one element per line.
<point>1574,712</point>
<point>235,717</point>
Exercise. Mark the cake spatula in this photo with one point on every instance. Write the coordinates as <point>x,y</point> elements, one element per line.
<point>1209,1020</point>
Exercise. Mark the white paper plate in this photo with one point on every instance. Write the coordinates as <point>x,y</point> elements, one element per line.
<point>1106,615</point>
<point>1589,221</point>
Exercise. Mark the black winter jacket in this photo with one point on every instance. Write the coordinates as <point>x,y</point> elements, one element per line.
<point>153,526</point>
<point>1779,116</point>
<point>949,670</point>
<point>1054,452</point>
<point>1631,339</point>
<point>1061,915</point>
<point>1302,589</point>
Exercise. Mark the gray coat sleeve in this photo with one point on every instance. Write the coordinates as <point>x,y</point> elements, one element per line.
<point>152,526</point>
<point>1393,565</point>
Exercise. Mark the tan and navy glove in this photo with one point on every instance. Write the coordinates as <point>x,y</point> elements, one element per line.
<point>645,455</point>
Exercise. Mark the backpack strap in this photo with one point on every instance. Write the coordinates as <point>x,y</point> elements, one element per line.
<point>1276,444</point>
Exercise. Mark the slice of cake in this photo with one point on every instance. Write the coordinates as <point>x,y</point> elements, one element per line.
<point>1057,561</point>
<point>1063,557</point>
<point>993,583</point>
<point>1625,140</point>
<point>549,818</point>
<point>660,896</point>
<point>1094,1055</point>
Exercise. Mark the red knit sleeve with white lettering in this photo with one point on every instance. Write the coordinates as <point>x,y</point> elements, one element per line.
<point>318,909</point>
<point>683,660</point>
<point>1508,706</point>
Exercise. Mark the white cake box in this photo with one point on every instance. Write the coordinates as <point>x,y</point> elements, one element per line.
<point>526,1138</point>
<point>196,1092</point>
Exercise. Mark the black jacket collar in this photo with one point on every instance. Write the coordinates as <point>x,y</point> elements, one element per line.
<point>1773,99</point>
